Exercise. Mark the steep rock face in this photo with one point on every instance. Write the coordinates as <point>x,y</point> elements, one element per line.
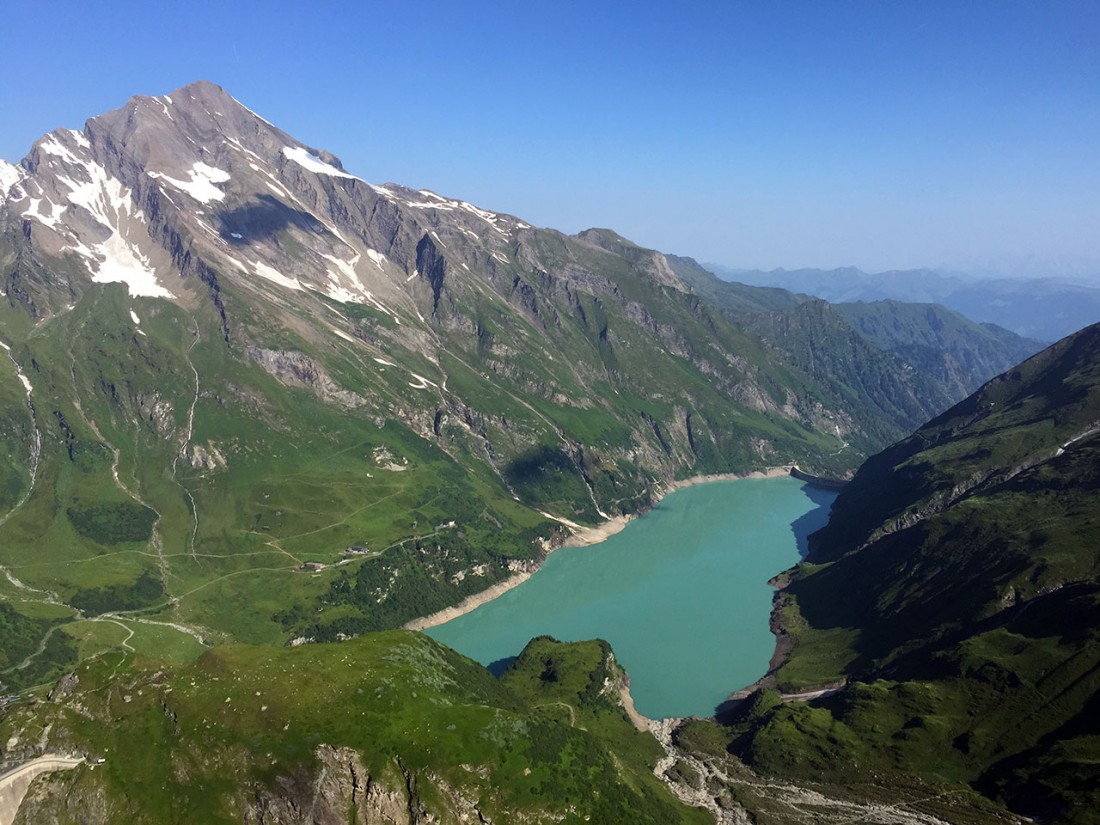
<point>820,342</point>
<point>298,369</point>
<point>917,357</point>
<point>339,785</point>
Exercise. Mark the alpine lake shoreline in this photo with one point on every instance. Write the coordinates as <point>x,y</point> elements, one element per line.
<point>588,536</point>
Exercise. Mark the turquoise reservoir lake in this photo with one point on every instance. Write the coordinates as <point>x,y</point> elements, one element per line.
<point>681,593</point>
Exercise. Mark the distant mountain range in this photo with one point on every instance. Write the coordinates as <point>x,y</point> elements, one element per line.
<point>948,355</point>
<point>1046,309</point>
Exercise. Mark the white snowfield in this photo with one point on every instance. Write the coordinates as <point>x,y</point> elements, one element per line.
<point>114,260</point>
<point>10,174</point>
<point>49,218</point>
<point>122,263</point>
<point>52,146</point>
<point>338,288</point>
<point>275,276</point>
<point>200,184</point>
<point>302,157</point>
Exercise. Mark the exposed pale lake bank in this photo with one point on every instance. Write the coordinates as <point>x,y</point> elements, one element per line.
<point>580,536</point>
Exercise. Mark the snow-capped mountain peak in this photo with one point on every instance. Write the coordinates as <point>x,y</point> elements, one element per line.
<point>195,183</point>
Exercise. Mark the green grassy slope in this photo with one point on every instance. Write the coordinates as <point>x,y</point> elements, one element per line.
<point>389,725</point>
<point>179,490</point>
<point>841,383</point>
<point>1020,418</point>
<point>957,589</point>
<point>860,354</point>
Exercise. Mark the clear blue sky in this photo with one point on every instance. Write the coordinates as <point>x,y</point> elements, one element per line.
<point>879,134</point>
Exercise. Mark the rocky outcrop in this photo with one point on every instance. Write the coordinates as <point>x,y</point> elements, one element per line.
<point>341,791</point>
<point>296,369</point>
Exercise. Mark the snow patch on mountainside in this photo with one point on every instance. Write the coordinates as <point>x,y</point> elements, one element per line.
<point>275,276</point>
<point>419,381</point>
<point>501,223</point>
<point>200,186</point>
<point>313,163</point>
<point>338,293</point>
<point>10,174</point>
<point>18,370</point>
<point>49,218</point>
<point>272,183</point>
<point>122,263</point>
<point>52,146</point>
<point>240,147</point>
<point>422,383</point>
<point>338,288</point>
<point>347,269</point>
<point>103,196</point>
<point>164,107</point>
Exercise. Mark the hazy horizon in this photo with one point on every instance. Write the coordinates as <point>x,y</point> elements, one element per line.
<point>881,136</point>
<point>1084,271</point>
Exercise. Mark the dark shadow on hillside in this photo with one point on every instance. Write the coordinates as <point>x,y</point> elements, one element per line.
<point>813,520</point>
<point>729,711</point>
<point>262,219</point>
<point>498,667</point>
